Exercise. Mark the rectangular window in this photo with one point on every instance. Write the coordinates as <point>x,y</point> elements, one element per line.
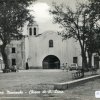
<point>13,62</point>
<point>75,60</point>
<point>13,50</point>
<point>50,43</point>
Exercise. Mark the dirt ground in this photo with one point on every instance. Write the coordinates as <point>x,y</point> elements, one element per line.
<point>30,85</point>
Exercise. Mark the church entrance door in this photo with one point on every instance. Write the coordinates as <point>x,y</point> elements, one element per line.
<point>51,62</point>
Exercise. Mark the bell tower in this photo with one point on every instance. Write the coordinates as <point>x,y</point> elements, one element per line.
<point>32,39</point>
<point>32,29</point>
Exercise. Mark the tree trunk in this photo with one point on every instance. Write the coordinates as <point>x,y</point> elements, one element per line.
<point>84,58</point>
<point>4,56</point>
<point>90,59</point>
<point>84,61</point>
<point>84,64</point>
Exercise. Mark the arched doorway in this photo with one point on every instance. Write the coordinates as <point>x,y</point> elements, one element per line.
<point>51,62</point>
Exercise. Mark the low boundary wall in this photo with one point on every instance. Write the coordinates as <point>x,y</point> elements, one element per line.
<point>71,84</point>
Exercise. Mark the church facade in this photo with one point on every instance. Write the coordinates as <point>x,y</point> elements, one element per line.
<point>47,50</point>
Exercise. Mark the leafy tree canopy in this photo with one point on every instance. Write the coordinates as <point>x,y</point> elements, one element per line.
<point>13,15</point>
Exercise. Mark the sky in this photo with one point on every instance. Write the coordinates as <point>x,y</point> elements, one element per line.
<point>40,10</point>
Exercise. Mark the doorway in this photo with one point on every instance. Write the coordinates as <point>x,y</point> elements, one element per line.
<point>51,62</point>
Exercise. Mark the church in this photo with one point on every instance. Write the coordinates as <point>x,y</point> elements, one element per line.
<point>45,50</point>
<point>48,50</point>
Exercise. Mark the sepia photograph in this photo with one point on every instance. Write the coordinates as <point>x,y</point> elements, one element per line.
<point>49,49</point>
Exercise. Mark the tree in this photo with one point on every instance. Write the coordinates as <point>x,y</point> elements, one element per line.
<point>13,15</point>
<point>97,46</point>
<point>93,41</point>
<point>79,24</point>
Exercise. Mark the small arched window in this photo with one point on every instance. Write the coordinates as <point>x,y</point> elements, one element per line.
<point>50,43</point>
<point>30,31</point>
<point>34,31</point>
